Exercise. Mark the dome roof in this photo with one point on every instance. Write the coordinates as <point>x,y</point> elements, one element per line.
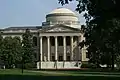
<point>62,11</point>
<point>61,15</point>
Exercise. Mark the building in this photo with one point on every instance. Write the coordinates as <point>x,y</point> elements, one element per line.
<point>56,41</point>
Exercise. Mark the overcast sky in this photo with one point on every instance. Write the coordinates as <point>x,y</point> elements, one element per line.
<point>28,12</point>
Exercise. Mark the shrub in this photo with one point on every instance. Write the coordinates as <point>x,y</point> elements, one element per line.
<point>29,65</point>
<point>93,66</point>
<point>88,65</point>
<point>85,65</point>
<point>118,62</point>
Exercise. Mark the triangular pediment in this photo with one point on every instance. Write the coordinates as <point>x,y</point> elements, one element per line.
<point>60,28</point>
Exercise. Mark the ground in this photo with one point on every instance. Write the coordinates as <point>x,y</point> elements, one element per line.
<point>16,74</point>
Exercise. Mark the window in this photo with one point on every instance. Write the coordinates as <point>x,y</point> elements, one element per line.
<point>60,41</point>
<point>68,58</point>
<point>53,58</point>
<point>52,41</point>
<point>68,41</point>
<point>60,58</point>
<point>35,41</point>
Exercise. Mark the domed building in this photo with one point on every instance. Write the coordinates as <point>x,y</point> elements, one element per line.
<point>56,41</point>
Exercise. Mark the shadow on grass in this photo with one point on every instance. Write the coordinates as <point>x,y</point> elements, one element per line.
<point>40,77</point>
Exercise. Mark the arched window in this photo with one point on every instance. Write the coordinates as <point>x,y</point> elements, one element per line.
<point>35,41</point>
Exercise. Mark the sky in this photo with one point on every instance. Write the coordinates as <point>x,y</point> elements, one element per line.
<point>15,13</point>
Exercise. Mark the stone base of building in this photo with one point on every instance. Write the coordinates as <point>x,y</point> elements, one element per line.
<point>59,65</point>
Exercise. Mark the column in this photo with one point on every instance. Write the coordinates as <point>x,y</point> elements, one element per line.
<point>79,53</point>
<point>41,49</point>
<point>48,45</point>
<point>71,47</point>
<point>64,45</point>
<point>56,44</point>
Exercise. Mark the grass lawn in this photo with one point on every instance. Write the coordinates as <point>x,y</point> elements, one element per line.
<point>16,74</point>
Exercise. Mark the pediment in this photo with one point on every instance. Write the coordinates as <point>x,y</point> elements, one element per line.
<point>60,28</point>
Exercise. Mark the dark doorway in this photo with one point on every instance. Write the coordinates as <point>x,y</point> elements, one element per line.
<point>60,58</point>
<point>53,58</point>
<point>68,58</point>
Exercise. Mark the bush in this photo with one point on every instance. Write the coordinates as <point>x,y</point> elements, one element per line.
<point>88,65</point>
<point>93,66</point>
<point>118,62</point>
<point>85,65</point>
<point>29,65</point>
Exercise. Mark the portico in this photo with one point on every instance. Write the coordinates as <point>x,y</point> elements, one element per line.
<point>59,43</point>
<point>56,46</point>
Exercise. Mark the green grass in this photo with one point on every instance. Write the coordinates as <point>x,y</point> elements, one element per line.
<point>16,74</point>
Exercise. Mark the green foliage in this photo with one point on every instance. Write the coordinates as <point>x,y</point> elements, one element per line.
<point>88,65</point>
<point>28,50</point>
<point>11,51</point>
<point>17,47</point>
<point>1,45</point>
<point>104,42</point>
<point>29,65</point>
<point>100,10</point>
<point>85,65</point>
<point>102,31</point>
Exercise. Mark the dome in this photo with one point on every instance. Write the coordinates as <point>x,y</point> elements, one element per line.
<point>62,11</point>
<point>61,14</point>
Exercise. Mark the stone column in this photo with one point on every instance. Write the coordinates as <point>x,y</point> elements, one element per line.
<point>41,59</point>
<point>48,45</point>
<point>56,44</point>
<point>71,47</point>
<point>64,45</point>
<point>79,53</point>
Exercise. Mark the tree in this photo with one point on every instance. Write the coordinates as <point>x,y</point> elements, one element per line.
<point>1,45</point>
<point>17,48</point>
<point>101,32</point>
<point>12,51</point>
<point>28,50</point>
